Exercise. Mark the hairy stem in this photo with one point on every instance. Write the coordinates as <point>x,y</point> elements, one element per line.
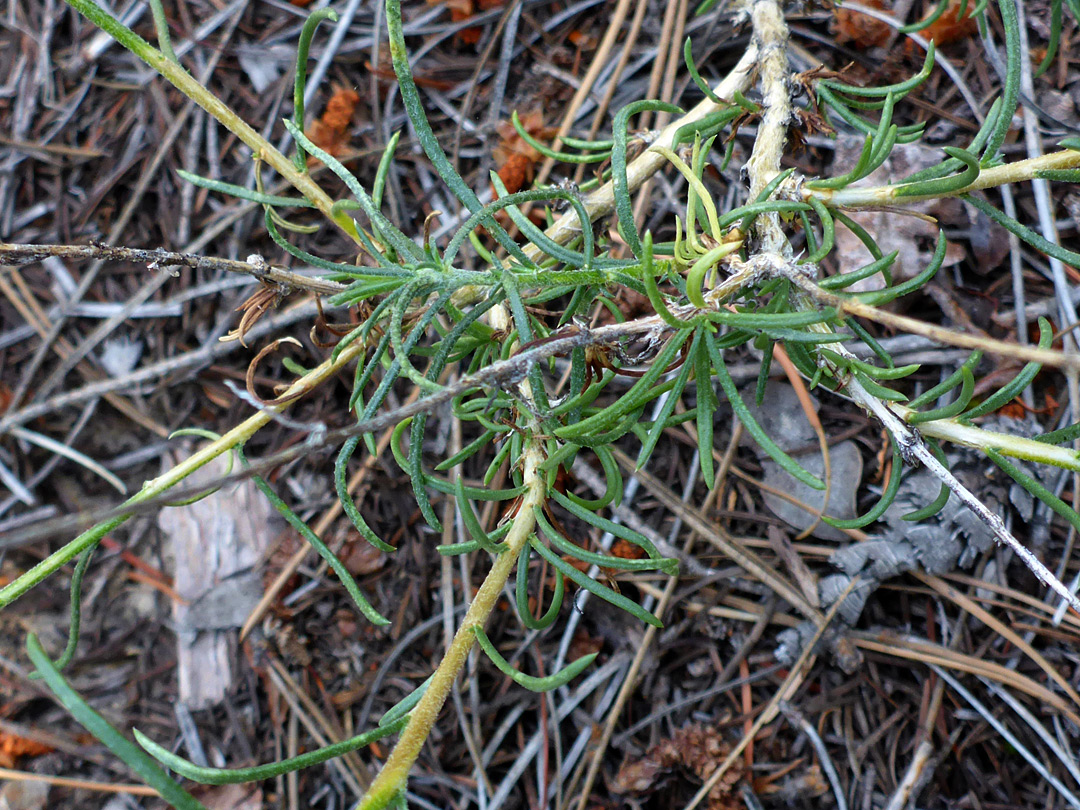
<point>395,771</point>
<point>163,483</point>
<point>187,84</point>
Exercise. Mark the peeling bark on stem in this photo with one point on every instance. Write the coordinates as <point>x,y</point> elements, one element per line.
<point>771,38</point>
<point>913,447</point>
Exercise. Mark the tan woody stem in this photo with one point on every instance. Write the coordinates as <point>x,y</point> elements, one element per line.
<point>771,38</point>
<point>601,202</point>
<point>395,771</point>
<point>187,84</point>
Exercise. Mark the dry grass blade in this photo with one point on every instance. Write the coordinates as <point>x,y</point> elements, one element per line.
<point>987,618</point>
<point>744,558</point>
<point>929,653</point>
<point>1009,737</point>
<point>77,784</point>
<point>791,684</point>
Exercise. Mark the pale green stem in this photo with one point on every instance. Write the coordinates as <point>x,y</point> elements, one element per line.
<point>1026,449</point>
<point>1018,172</point>
<point>238,435</point>
<point>187,84</point>
<point>395,771</point>
<point>601,202</point>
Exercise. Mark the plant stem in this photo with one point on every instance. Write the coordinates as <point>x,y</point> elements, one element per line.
<point>771,38</point>
<point>914,450</point>
<point>913,447</point>
<point>601,202</point>
<point>238,435</point>
<point>1017,172</point>
<point>255,265</point>
<point>851,306</point>
<point>1005,443</point>
<point>187,84</point>
<point>395,771</point>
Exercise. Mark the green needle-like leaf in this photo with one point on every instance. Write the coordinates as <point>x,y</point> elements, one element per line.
<point>226,776</point>
<point>101,729</point>
<point>753,427</point>
<point>533,684</point>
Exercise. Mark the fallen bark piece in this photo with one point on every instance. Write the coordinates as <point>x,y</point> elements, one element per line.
<point>216,545</point>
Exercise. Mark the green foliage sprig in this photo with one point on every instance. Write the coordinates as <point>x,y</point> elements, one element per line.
<point>712,289</point>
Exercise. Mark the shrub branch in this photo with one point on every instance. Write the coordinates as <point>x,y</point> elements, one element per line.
<point>391,779</point>
<point>771,38</point>
<point>183,81</point>
<point>255,266</point>
<point>1017,172</point>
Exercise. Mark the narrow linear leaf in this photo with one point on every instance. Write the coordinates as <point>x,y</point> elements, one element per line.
<point>472,522</point>
<point>790,465</point>
<point>405,705</point>
<point>521,595</point>
<point>886,500</point>
<point>1025,233</point>
<point>233,776</point>
<point>345,497</point>
<point>948,384</point>
<point>624,207</point>
<point>1059,506</point>
<point>134,757</point>
<point>532,683</point>
<point>1016,386</point>
<point>674,395</point>
<point>324,551</point>
<point>944,493</point>
<point>562,544</point>
<point>303,47</point>
<point>602,523</point>
<point>583,580</point>
<point>954,408</point>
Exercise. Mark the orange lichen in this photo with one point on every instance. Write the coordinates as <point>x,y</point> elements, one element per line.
<point>950,27</point>
<point>461,10</point>
<point>12,746</point>
<point>514,158</point>
<point>330,131</point>
<point>860,29</point>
